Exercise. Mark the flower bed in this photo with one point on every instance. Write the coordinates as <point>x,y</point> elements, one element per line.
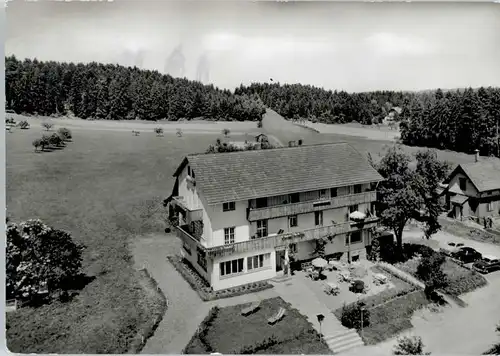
<point>204,290</point>
<point>228,332</point>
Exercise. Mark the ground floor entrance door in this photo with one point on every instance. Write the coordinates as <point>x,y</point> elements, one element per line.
<point>280,260</point>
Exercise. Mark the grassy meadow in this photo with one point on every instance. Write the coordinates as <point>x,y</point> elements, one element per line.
<point>105,188</point>
<point>101,188</point>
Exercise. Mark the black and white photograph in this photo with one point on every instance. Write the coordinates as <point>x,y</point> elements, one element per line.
<point>252,177</point>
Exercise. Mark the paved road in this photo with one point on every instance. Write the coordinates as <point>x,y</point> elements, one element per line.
<point>441,239</point>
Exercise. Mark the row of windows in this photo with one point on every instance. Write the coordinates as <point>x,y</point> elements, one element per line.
<point>262,225</point>
<point>295,197</point>
<point>236,266</point>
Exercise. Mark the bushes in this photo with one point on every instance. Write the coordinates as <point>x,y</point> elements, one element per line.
<point>158,131</point>
<point>56,140</point>
<point>410,345</point>
<point>351,315</point>
<point>24,125</point>
<point>226,132</point>
<point>47,126</point>
<point>65,133</point>
<point>431,273</point>
<point>358,286</point>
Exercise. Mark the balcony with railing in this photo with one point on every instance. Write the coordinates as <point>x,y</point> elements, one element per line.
<point>190,234</point>
<point>190,214</point>
<point>282,210</point>
<point>273,241</point>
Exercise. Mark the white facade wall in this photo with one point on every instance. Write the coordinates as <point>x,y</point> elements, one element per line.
<point>222,282</point>
<point>215,220</point>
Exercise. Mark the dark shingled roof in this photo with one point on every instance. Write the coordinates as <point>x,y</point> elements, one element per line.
<point>235,176</point>
<point>484,174</point>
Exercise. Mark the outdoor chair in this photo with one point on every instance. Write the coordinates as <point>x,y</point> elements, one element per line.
<point>252,308</point>
<point>277,317</point>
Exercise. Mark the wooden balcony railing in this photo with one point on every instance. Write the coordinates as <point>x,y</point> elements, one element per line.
<point>288,238</point>
<point>191,214</point>
<point>184,235</point>
<point>310,206</point>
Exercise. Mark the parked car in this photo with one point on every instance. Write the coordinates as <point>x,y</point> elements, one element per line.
<point>451,248</point>
<point>467,255</point>
<point>487,264</point>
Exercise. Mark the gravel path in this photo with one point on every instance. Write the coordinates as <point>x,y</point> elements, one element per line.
<point>185,308</point>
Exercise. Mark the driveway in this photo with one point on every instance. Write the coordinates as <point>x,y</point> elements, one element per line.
<point>441,239</point>
<point>185,308</point>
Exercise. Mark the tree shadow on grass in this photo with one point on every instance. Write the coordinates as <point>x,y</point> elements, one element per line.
<point>66,292</point>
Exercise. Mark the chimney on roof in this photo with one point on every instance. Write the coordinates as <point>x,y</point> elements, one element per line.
<point>477,155</point>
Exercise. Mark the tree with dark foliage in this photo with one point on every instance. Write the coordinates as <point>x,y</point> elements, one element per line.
<point>407,191</point>
<point>39,257</point>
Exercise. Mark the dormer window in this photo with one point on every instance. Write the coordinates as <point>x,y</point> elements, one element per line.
<point>189,171</point>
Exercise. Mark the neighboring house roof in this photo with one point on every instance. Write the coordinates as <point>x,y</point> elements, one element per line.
<point>484,174</point>
<point>235,176</point>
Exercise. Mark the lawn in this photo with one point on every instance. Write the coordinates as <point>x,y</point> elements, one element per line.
<point>101,189</point>
<point>461,280</point>
<point>229,332</point>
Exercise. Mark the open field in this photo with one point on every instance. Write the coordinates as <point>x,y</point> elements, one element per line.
<point>103,188</point>
<point>384,133</point>
<point>368,142</point>
<point>192,126</point>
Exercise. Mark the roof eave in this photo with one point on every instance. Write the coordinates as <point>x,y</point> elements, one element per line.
<point>181,167</point>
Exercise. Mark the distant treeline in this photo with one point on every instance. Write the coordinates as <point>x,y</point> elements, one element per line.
<point>113,92</point>
<point>460,120</point>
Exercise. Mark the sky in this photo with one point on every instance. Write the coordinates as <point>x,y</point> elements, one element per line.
<point>335,45</point>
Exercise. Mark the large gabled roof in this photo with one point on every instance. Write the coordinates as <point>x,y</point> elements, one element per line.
<point>484,174</point>
<point>236,176</point>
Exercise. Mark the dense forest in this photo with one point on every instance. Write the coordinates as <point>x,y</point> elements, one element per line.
<point>461,120</point>
<point>113,92</point>
<point>297,101</point>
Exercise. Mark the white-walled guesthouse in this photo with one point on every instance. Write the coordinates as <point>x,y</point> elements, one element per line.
<point>241,214</point>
